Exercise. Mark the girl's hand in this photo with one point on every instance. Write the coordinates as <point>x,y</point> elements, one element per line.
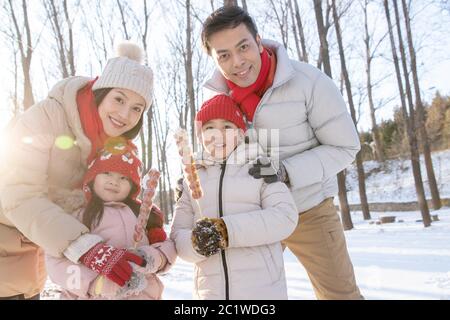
<point>102,288</point>
<point>153,257</point>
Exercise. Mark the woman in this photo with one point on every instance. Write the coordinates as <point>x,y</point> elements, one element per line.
<point>51,145</point>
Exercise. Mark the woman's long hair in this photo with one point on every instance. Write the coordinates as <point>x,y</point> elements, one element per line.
<point>93,213</point>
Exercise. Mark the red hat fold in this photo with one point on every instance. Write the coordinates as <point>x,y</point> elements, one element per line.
<point>220,107</point>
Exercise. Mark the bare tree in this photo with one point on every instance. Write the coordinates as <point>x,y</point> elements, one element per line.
<point>161,133</point>
<point>244,5</point>
<point>325,58</point>
<point>57,19</point>
<point>229,3</point>
<point>121,8</point>
<point>370,52</point>
<point>325,27</point>
<point>294,31</point>
<point>298,25</point>
<point>435,198</point>
<point>348,86</point>
<point>100,31</point>
<point>25,50</point>
<point>188,53</point>
<point>409,122</point>
<point>281,15</point>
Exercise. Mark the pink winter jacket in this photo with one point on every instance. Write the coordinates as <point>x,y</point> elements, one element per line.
<point>116,228</point>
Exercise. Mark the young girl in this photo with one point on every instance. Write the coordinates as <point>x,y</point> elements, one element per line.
<point>233,233</point>
<point>111,186</point>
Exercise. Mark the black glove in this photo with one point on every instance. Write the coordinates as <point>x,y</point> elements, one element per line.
<point>264,168</point>
<point>209,236</point>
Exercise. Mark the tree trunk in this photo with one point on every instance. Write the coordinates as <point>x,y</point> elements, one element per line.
<point>379,150</point>
<point>409,122</point>
<point>26,53</point>
<point>343,203</point>
<point>229,3</point>
<point>301,32</point>
<point>70,51</point>
<point>325,58</point>
<point>244,5</point>
<point>122,16</point>
<point>53,16</point>
<point>359,162</point>
<point>435,197</point>
<point>282,21</point>
<point>294,31</point>
<point>188,70</point>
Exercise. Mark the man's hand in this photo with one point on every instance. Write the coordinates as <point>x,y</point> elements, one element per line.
<point>264,168</point>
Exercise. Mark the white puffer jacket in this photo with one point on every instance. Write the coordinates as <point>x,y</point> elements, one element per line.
<point>316,137</point>
<point>257,215</point>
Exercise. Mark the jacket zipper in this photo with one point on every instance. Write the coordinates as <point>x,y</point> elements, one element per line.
<point>222,252</point>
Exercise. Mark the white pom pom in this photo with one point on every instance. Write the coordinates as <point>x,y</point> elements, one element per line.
<point>130,50</point>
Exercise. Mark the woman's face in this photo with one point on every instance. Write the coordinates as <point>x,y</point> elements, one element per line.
<point>220,137</point>
<point>112,186</point>
<point>120,111</point>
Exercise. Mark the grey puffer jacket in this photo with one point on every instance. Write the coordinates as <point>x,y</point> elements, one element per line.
<point>315,137</point>
<point>257,215</point>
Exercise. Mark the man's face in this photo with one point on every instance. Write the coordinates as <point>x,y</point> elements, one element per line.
<point>237,54</point>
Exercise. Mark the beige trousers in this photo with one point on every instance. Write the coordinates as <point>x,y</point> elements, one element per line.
<point>319,244</point>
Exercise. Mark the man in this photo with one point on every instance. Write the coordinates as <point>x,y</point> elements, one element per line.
<point>317,138</point>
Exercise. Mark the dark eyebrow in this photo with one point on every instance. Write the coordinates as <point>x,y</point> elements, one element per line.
<point>237,45</point>
<point>241,42</point>
<point>122,93</point>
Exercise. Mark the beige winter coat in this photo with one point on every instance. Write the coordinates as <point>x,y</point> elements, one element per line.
<point>315,137</point>
<point>257,215</point>
<point>34,171</point>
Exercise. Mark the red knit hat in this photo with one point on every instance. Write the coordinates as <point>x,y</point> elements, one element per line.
<point>220,107</point>
<point>119,155</point>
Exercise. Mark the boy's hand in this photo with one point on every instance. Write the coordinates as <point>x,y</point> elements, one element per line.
<point>209,236</point>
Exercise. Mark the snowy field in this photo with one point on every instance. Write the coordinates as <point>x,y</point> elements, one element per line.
<point>393,181</point>
<point>402,260</point>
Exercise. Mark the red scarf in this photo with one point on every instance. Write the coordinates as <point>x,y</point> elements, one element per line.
<point>90,119</point>
<point>249,97</point>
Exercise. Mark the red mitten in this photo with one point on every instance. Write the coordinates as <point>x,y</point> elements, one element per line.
<point>111,262</point>
<point>155,235</point>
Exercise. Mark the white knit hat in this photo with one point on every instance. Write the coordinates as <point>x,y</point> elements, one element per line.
<point>127,71</point>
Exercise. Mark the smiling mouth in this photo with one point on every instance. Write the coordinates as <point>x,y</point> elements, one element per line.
<point>244,73</point>
<point>117,123</point>
<point>111,190</point>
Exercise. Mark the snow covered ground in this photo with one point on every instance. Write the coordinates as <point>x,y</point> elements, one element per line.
<point>402,260</point>
<point>394,182</point>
